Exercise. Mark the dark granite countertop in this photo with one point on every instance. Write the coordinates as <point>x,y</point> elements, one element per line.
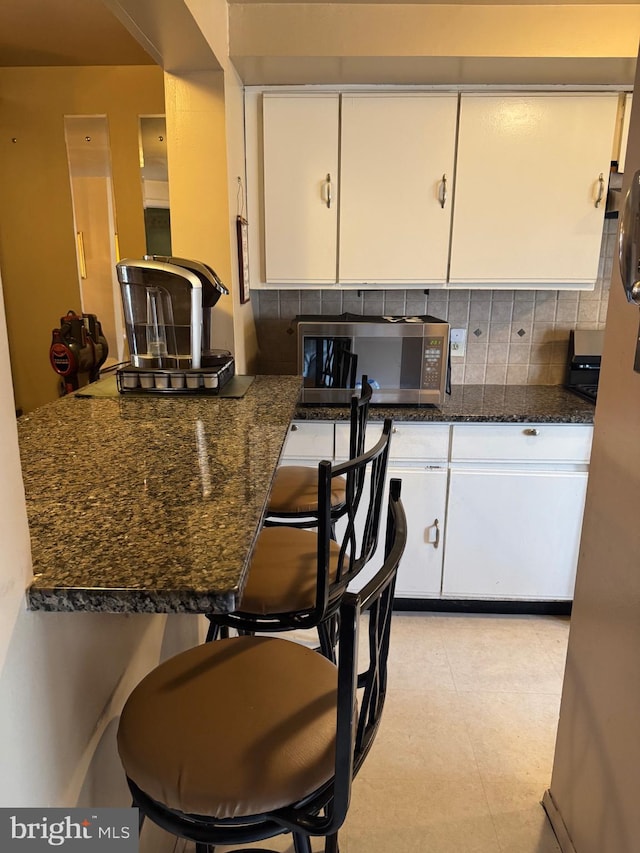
<point>480,404</point>
<point>150,504</point>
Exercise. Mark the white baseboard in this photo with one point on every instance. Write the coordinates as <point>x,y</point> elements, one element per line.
<point>557,823</point>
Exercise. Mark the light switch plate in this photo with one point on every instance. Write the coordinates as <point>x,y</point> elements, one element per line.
<point>458,342</point>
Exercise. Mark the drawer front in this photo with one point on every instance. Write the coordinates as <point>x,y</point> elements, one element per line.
<point>309,440</point>
<point>409,441</point>
<point>521,442</point>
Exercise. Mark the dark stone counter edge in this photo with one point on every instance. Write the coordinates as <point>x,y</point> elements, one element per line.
<point>100,600</point>
<point>437,416</point>
<point>551,404</point>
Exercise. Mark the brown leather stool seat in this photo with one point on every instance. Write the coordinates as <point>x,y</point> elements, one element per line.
<point>284,571</point>
<point>233,728</point>
<point>295,491</point>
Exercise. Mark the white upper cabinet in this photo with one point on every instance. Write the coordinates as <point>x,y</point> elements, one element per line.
<point>531,186</point>
<point>396,182</point>
<point>423,189</point>
<point>300,149</point>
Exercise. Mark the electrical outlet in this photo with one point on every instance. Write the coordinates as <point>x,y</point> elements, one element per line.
<point>458,342</point>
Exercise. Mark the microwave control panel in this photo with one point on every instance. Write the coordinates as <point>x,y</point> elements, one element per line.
<point>432,365</point>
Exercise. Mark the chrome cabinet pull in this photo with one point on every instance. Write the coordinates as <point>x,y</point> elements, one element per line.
<point>600,190</point>
<point>443,191</point>
<point>328,194</point>
<point>436,540</point>
<point>628,240</point>
<point>531,431</point>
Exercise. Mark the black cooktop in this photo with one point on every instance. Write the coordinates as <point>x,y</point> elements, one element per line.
<point>587,392</point>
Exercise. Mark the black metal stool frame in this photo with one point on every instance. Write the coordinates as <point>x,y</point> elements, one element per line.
<point>324,812</point>
<point>358,419</point>
<point>354,553</point>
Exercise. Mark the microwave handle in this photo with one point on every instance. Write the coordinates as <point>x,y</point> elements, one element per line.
<point>629,242</point>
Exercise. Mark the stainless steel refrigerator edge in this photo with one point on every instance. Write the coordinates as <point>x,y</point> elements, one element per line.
<point>593,797</point>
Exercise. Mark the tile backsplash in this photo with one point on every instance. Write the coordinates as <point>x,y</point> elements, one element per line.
<point>514,337</point>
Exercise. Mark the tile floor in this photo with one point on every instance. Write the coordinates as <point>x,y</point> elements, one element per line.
<point>465,748</point>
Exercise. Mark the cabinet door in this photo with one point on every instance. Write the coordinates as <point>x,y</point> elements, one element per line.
<point>513,534</point>
<point>300,146</point>
<point>527,182</point>
<point>397,159</point>
<point>424,495</point>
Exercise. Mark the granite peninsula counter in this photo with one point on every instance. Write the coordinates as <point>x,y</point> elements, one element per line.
<point>153,504</point>
<point>150,504</point>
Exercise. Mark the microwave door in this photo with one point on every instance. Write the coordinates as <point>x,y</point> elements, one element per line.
<point>330,363</point>
<point>346,366</point>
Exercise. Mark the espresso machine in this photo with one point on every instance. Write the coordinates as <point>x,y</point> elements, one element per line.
<point>78,350</point>
<point>167,305</point>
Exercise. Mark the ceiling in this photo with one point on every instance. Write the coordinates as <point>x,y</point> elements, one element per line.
<point>438,2</point>
<point>86,32</point>
<point>65,32</point>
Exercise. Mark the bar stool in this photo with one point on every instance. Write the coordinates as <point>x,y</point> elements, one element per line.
<point>294,495</point>
<point>252,737</point>
<point>297,576</point>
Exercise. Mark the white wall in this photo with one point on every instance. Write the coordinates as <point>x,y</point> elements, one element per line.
<point>593,798</point>
<point>63,676</point>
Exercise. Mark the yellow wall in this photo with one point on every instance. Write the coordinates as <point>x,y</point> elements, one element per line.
<point>211,18</point>
<point>37,242</point>
<point>196,153</point>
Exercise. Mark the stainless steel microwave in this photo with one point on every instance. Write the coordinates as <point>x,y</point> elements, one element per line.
<point>406,359</point>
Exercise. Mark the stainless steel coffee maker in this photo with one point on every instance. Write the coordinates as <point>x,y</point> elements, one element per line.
<point>167,305</point>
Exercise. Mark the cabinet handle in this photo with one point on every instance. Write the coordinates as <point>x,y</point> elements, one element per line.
<point>328,196</point>
<point>436,540</point>
<point>531,431</point>
<point>600,190</point>
<point>628,242</point>
<point>443,192</point>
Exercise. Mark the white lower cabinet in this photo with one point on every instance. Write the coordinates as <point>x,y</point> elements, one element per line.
<point>514,512</point>
<point>513,534</point>
<point>494,511</point>
<point>418,456</point>
<point>424,497</point>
